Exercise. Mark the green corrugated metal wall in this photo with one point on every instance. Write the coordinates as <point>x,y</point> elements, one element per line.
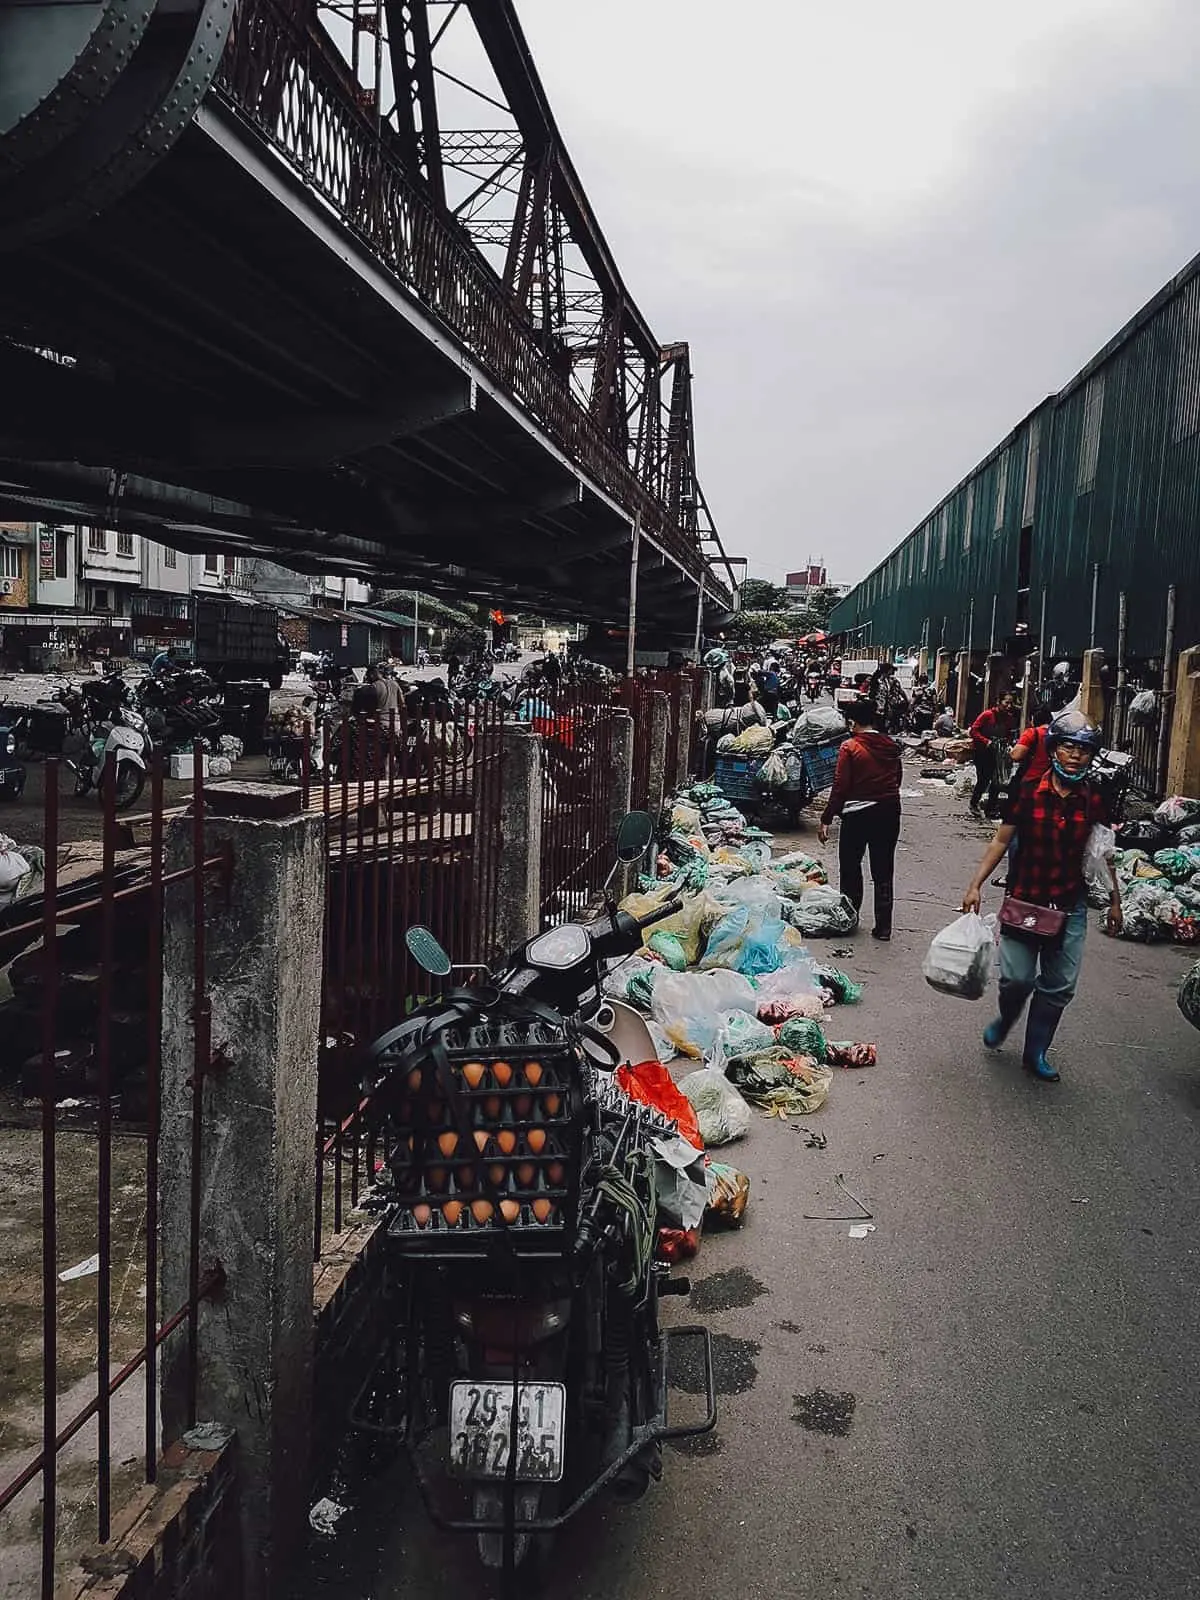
<point>1117,486</point>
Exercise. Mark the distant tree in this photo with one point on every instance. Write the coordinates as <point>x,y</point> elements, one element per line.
<point>820,606</point>
<point>752,630</point>
<point>759,595</point>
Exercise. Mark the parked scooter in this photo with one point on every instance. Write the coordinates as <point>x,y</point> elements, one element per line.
<point>124,740</point>
<point>524,1221</point>
<point>12,770</point>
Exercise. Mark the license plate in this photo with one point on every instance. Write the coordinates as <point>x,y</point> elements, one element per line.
<point>480,1429</point>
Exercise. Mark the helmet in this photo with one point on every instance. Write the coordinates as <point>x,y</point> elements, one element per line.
<point>1062,670</point>
<point>1072,727</point>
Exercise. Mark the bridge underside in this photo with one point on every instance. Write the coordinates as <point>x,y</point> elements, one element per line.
<point>215,361</point>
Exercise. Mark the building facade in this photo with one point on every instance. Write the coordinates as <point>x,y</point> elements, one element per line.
<point>1080,529</point>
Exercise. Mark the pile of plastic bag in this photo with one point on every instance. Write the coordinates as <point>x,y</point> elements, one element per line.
<point>1157,863</point>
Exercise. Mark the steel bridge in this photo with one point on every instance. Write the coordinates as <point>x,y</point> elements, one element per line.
<point>320,282</point>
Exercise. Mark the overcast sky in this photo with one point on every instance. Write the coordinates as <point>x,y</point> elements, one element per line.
<point>886,227</point>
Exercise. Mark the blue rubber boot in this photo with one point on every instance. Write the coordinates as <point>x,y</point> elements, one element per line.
<point>1011,1002</point>
<point>1039,1034</point>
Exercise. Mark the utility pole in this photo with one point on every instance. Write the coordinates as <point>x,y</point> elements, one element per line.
<point>631,643</point>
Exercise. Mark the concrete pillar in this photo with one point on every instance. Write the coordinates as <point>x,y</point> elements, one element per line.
<point>708,692</point>
<point>1183,764</point>
<point>995,679</point>
<point>923,660</point>
<point>1091,690</point>
<point>518,888</point>
<point>1027,689</point>
<point>962,699</point>
<point>262,958</point>
<point>941,675</point>
<point>660,731</point>
<point>621,755</point>
<point>683,733</point>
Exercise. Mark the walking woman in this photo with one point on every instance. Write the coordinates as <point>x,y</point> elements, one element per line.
<point>866,795</point>
<point>1044,917</point>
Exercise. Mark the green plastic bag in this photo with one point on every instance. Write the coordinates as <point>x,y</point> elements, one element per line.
<point>667,946</point>
<point>841,987</point>
<point>803,1035</point>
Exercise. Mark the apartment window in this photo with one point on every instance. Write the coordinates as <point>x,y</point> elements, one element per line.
<point>10,561</point>
<point>98,540</point>
<point>101,600</point>
<point>62,554</point>
<point>925,547</point>
<point>1089,437</point>
<point>124,544</point>
<point>969,516</point>
<point>1187,367</point>
<point>228,561</point>
<point>942,521</point>
<point>1001,492</point>
<point>170,559</point>
<point>1032,455</point>
<point>211,567</point>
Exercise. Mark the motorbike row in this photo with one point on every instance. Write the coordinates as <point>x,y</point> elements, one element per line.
<point>113,728</point>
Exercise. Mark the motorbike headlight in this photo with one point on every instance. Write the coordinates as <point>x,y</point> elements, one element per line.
<point>10,744</point>
<point>561,947</point>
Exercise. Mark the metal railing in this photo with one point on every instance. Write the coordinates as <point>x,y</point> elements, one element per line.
<point>83,949</point>
<point>288,80</point>
<point>578,771</point>
<point>412,811</point>
<point>1131,727</point>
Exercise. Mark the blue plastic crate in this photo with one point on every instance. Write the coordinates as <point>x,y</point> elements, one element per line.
<point>735,775</point>
<point>820,764</point>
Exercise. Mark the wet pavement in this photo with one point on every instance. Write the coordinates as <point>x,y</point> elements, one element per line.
<point>990,1395</point>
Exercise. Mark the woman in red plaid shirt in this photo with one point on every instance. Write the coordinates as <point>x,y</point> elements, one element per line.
<point>1051,821</point>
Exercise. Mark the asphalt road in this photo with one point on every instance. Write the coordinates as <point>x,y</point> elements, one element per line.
<point>992,1394</point>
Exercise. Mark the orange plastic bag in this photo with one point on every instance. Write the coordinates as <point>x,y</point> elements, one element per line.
<point>652,1084</point>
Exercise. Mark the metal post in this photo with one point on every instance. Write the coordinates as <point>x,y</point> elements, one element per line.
<point>631,645</point>
<point>1095,601</point>
<point>970,624</point>
<point>1167,698</point>
<point>1118,734</point>
<point>416,630</point>
<point>992,630</point>
<point>1042,643</point>
<point>699,617</point>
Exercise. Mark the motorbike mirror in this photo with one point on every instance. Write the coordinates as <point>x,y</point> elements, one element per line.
<point>634,835</point>
<point>426,951</point>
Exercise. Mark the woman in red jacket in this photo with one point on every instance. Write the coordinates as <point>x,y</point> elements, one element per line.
<point>866,795</point>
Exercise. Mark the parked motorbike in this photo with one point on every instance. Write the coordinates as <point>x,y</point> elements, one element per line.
<point>522,1187</point>
<point>12,771</point>
<point>120,743</point>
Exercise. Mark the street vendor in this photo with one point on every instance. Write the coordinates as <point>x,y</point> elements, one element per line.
<point>990,731</point>
<point>1051,823</point>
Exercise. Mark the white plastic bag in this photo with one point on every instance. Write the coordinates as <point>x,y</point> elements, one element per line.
<point>1101,847</point>
<point>720,1110</point>
<point>688,1005</point>
<point>818,725</point>
<point>740,1034</point>
<point>960,957</point>
<point>822,911</point>
<point>773,774</point>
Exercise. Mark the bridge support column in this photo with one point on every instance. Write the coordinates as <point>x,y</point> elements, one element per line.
<point>621,755</point>
<point>1091,690</point>
<point>963,698</point>
<point>660,732</point>
<point>518,888</point>
<point>941,676</point>
<point>1183,767</point>
<point>262,949</point>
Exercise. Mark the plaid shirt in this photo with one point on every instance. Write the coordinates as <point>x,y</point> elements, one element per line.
<point>1052,830</point>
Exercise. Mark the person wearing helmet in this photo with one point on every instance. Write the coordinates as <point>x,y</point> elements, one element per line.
<point>1062,688</point>
<point>1051,822</point>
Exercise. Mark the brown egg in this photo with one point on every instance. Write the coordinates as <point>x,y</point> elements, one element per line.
<point>481,1210</point>
<point>437,1177</point>
<point>496,1176</point>
<point>542,1210</point>
<point>555,1172</point>
<point>510,1210</point>
<point>552,1104</point>
<point>465,1177</point>
<point>481,1138</point>
<point>473,1073</point>
<point>452,1210</point>
<point>502,1073</point>
<point>437,1111</point>
<point>526,1173</point>
<point>507,1140</point>
<point>493,1106</point>
<point>447,1143</point>
<point>522,1105</point>
<point>536,1140</point>
<point>414,1079</point>
<point>533,1073</point>
<point>421,1216</point>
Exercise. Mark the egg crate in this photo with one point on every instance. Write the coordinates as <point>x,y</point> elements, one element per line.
<point>518,1156</point>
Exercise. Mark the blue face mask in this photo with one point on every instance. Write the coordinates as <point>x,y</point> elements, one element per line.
<point>1069,777</point>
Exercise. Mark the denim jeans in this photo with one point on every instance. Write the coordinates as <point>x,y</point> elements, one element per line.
<point>1021,959</point>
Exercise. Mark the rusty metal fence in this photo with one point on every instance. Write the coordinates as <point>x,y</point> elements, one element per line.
<point>412,826</point>
<point>81,1322</point>
<point>578,772</point>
